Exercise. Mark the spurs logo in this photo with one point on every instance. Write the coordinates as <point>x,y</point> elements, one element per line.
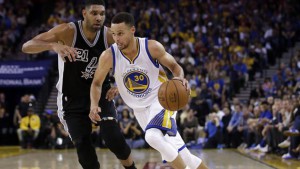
<point>90,69</point>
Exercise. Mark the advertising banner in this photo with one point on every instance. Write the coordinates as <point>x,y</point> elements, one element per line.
<point>23,73</point>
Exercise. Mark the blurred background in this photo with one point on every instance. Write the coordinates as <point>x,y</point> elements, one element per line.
<point>241,58</point>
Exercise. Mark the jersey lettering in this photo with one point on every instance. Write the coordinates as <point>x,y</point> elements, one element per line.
<point>82,55</point>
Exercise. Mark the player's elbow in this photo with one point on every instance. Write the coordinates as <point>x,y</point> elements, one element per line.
<point>25,48</point>
<point>96,84</point>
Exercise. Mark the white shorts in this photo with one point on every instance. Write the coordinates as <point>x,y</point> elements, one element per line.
<point>155,116</point>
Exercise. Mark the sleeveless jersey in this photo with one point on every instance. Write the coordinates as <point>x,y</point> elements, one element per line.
<point>75,78</point>
<point>138,81</point>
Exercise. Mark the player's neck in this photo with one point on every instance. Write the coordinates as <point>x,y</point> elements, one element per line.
<point>90,35</point>
<point>132,49</point>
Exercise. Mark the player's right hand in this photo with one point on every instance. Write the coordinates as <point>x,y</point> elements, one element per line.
<point>94,114</point>
<point>184,82</point>
<point>65,51</point>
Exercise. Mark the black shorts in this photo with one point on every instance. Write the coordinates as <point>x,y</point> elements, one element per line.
<point>73,104</point>
<point>79,124</point>
<point>75,114</point>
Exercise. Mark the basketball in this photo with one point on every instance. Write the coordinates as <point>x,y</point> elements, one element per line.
<point>172,95</point>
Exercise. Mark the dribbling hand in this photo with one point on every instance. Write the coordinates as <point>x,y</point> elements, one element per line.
<point>94,114</point>
<point>184,82</point>
<point>65,51</point>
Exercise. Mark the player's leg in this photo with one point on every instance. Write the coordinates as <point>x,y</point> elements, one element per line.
<point>112,135</point>
<point>156,122</point>
<point>79,128</point>
<point>116,143</point>
<point>155,138</point>
<point>190,159</point>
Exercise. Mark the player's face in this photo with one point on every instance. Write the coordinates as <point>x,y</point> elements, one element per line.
<point>94,17</point>
<point>122,34</point>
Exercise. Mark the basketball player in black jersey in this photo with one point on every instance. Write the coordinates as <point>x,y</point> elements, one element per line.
<point>78,46</point>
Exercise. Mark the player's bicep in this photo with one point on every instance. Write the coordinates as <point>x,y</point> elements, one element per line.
<point>159,53</point>
<point>46,36</point>
<point>104,66</point>
<point>168,61</point>
<point>56,34</point>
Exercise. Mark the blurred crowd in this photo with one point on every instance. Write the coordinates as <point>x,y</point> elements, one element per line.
<point>13,21</point>
<point>222,45</point>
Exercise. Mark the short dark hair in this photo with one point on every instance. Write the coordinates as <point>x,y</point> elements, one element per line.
<point>121,17</point>
<point>94,2</point>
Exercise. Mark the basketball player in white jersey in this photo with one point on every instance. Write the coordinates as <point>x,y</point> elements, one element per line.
<point>136,66</point>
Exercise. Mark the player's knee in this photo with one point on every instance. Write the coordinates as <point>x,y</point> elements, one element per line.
<point>151,138</point>
<point>115,141</point>
<point>156,140</point>
<point>117,144</point>
<point>191,160</point>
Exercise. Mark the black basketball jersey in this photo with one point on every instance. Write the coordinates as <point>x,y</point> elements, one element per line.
<point>75,78</point>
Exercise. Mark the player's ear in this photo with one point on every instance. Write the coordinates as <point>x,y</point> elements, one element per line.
<point>84,12</point>
<point>132,29</point>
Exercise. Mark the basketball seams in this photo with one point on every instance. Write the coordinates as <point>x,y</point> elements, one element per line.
<point>177,93</point>
<point>172,96</point>
<point>166,94</point>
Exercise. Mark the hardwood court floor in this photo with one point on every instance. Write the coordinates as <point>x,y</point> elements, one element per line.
<point>15,158</point>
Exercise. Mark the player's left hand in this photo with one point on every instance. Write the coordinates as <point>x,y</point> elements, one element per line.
<point>111,93</point>
<point>94,114</point>
<point>184,82</point>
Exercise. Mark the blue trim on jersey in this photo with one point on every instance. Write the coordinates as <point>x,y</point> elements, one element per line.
<point>114,59</point>
<point>138,53</point>
<point>125,57</point>
<point>139,48</point>
<point>181,148</point>
<point>155,63</point>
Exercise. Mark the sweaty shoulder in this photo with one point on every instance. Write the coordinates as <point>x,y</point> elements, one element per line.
<point>107,55</point>
<point>106,59</point>
<point>155,48</point>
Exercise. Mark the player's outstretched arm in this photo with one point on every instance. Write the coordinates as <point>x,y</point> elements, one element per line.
<point>104,66</point>
<point>159,53</point>
<point>57,39</point>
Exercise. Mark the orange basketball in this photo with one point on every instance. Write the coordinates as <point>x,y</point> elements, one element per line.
<point>172,95</point>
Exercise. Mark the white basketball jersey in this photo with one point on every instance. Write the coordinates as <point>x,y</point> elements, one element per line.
<point>138,80</point>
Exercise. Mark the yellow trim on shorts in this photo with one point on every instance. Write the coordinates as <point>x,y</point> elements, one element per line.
<point>167,119</point>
